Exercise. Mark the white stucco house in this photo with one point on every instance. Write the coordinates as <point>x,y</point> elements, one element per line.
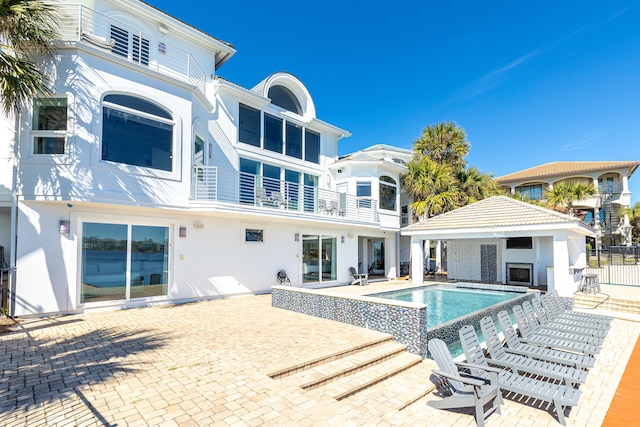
<point>503,240</point>
<point>145,178</point>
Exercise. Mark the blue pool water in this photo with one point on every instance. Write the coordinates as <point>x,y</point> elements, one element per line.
<point>445,302</point>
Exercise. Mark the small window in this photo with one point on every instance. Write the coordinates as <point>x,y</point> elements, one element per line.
<point>311,147</point>
<point>136,132</point>
<point>249,126</point>
<point>363,191</point>
<point>254,235</point>
<point>520,243</point>
<point>49,126</point>
<point>531,192</point>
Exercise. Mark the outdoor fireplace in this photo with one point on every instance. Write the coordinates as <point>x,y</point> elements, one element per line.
<point>519,274</point>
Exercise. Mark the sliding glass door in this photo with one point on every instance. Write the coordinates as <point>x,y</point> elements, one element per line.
<point>319,258</point>
<point>123,261</point>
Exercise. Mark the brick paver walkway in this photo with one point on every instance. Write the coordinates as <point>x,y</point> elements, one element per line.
<point>206,363</point>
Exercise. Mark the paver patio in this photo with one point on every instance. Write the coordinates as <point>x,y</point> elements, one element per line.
<point>206,363</point>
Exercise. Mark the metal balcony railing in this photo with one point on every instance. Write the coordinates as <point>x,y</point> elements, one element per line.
<point>84,25</point>
<point>609,188</point>
<point>227,186</point>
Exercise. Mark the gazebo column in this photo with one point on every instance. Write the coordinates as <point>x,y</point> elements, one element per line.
<point>562,279</point>
<point>417,260</point>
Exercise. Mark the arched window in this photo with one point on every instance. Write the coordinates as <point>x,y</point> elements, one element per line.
<point>136,132</point>
<point>388,191</point>
<point>283,97</point>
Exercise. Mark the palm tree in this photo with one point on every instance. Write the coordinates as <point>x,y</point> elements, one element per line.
<point>437,177</point>
<point>432,187</point>
<point>444,143</point>
<point>475,185</point>
<point>27,28</point>
<point>566,193</point>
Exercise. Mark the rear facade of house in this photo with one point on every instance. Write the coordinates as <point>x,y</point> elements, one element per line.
<point>145,178</point>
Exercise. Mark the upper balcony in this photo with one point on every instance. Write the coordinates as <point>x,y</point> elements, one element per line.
<point>86,26</point>
<point>213,184</point>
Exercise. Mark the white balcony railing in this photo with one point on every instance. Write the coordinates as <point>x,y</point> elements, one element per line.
<point>84,25</point>
<point>227,186</point>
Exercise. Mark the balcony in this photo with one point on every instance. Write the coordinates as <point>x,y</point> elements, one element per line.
<point>213,184</point>
<point>83,25</point>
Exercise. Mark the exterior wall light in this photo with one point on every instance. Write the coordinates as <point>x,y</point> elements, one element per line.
<point>183,232</point>
<point>65,226</point>
<point>296,237</point>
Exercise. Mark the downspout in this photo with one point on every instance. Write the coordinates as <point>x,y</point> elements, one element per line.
<point>13,233</point>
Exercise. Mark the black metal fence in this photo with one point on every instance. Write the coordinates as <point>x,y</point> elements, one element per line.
<point>617,265</point>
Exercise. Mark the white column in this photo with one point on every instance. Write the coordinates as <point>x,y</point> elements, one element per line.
<point>562,277</point>
<point>625,184</point>
<point>417,261</point>
<point>438,256</point>
<point>427,253</point>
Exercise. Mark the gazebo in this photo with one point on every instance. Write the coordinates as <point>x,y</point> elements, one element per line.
<point>505,241</point>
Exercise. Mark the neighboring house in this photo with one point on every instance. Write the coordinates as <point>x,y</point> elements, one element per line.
<point>610,180</point>
<point>506,241</point>
<point>147,179</point>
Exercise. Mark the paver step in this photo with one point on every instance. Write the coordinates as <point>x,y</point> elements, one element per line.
<point>604,302</point>
<point>308,364</point>
<point>399,391</point>
<point>331,371</point>
<point>350,384</point>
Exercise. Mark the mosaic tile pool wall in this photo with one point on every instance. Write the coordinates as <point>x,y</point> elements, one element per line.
<point>407,323</point>
<point>448,331</point>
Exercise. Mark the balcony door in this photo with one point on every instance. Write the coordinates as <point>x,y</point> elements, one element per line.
<point>318,258</point>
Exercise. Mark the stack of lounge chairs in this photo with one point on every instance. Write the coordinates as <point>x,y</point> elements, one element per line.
<point>548,361</point>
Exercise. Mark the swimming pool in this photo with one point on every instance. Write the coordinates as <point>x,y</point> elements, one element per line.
<point>445,302</point>
<point>449,308</point>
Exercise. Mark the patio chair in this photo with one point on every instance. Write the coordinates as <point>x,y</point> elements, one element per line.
<point>370,270</point>
<point>322,206</point>
<point>559,394</point>
<point>514,345</point>
<point>564,334</point>
<point>461,389</point>
<point>358,278</point>
<point>561,311</point>
<point>518,364</point>
<point>283,278</point>
<point>528,336</point>
<point>566,325</point>
<point>556,313</point>
<point>261,197</point>
<point>278,200</point>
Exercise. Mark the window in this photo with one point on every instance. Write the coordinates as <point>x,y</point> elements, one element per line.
<point>283,97</point>
<point>292,188</point>
<point>139,45</point>
<point>311,146</point>
<point>49,127</point>
<point>387,193</point>
<point>531,192</point>
<point>249,170</point>
<point>519,243</point>
<point>136,132</point>
<point>254,235</point>
<point>294,140</point>
<point>107,249</point>
<point>272,134</point>
<point>249,126</point>
<point>363,191</point>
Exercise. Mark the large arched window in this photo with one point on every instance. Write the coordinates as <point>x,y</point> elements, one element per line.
<point>136,132</point>
<point>388,191</point>
<point>283,97</point>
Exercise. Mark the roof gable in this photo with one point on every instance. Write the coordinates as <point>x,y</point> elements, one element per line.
<point>494,212</point>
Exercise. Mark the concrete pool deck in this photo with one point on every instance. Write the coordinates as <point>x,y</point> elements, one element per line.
<point>207,363</point>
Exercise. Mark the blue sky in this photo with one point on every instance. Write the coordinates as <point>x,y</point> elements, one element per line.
<point>530,82</point>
